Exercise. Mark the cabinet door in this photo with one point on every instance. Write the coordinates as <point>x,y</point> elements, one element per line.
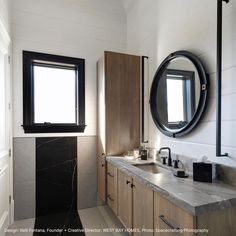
<point>122,85</point>
<point>112,187</point>
<point>125,199</point>
<point>169,216</point>
<point>101,178</point>
<point>142,209</point>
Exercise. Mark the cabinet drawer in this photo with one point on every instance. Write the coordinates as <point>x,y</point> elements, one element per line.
<point>111,174</point>
<point>112,187</point>
<point>112,197</point>
<point>169,216</point>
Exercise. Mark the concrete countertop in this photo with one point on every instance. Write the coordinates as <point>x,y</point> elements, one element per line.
<point>193,197</point>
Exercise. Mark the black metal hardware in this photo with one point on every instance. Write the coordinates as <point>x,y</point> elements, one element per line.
<point>132,186</point>
<point>128,182</point>
<point>162,217</point>
<point>78,65</point>
<point>219,78</point>
<point>109,197</point>
<point>169,156</point>
<point>176,164</point>
<point>143,58</point>
<point>112,176</point>
<point>158,77</point>
<point>164,160</point>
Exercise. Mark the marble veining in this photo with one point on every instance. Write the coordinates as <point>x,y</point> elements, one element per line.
<point>56,186</point>
<point>194,197</point>
<point>56,165</point>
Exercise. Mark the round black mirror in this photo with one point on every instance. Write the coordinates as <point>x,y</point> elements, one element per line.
<point>178,93</point>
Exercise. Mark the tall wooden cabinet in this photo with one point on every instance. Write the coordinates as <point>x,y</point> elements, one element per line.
<point>118,104</point>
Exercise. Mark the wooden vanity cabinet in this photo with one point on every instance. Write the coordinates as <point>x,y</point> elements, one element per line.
<point>101,177</point>
<point>139,207</point>
<point>169,216</point>
<point>142,209</point>
<point>135,204</point>
<point>125,199</point>
<point>112,187</point>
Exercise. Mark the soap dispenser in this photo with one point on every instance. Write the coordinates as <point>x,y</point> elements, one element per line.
<point>143,153</point>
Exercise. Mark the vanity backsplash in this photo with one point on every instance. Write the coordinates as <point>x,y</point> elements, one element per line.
<point>224,173</point>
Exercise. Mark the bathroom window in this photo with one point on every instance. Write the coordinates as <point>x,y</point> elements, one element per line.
<point>180,96</point>
<point>53,93</point>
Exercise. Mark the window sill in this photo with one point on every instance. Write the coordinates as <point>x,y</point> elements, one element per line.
<point>54,128</point>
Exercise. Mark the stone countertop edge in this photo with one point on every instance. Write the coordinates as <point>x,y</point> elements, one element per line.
<point>220,203</point>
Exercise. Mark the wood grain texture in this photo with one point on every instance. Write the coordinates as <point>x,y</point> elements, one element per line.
<point>173,214</point>
<point>125,199</point>
<point>118,103</point>
<point>101,178</point>
<point>142,209</point>
<point>112,187</point>
<point>122,99</point>
<point>219,223</point>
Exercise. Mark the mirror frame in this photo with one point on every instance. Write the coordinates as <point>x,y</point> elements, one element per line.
<point>204,85</point>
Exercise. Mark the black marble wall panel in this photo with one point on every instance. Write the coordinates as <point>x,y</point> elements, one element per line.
<point>56,175</point>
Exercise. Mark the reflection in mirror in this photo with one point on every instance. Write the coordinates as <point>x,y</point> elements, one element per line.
<point>178,93</point>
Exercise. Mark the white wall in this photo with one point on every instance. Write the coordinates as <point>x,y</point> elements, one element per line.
<point>5,13</point>
<point>4,73</point>
<point>77,28</point>
<point>158,27</point>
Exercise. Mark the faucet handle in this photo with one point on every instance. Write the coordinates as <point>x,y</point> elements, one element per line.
<point>176,164</point>
<point>164,160</point>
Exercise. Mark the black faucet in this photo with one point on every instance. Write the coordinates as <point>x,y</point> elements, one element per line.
<point>169,162</point>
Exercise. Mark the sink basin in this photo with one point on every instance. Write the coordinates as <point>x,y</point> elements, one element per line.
<point>151,168</point>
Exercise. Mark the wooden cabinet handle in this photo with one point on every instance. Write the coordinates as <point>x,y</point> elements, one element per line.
<point>162,217</point>
<point>109,174</point>
<point>109,197</point>
<point>128,182</point>
<point>103,165</point>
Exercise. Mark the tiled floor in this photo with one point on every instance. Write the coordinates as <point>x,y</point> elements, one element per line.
<point>97,219</point>
<point>100,218</point>
<point>21,225</point>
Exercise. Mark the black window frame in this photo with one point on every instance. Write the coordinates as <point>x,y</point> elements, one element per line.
<point>31,58</point>
<point>188,79</point>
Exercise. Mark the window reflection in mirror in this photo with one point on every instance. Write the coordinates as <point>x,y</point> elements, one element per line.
<point>175,94</point>
<point>178,94</point>
<point>180,87</point>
